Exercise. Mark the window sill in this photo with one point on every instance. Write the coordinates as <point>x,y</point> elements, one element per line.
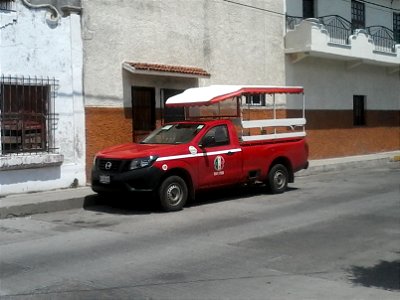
<point>30,161</point>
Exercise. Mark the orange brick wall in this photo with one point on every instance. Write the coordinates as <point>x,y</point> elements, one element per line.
<point>332,134</point>
<point>105,127</point>
<point>352,141</point>
<point>329,133</point>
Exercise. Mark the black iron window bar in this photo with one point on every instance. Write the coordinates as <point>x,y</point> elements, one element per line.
<point>27,115</point>
<point>383,38</point>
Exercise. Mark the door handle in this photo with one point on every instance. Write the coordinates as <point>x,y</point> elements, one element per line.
<point>230,153</point>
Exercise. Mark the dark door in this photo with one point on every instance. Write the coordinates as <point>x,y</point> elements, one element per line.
<point>143,109</point>
<point>358,110</point>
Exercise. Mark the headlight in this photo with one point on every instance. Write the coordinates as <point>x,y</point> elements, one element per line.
<point>143,162</point>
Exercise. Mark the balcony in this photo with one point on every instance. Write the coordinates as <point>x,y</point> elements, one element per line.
<point>334,37</point>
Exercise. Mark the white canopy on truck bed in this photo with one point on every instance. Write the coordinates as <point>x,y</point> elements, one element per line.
<point>216,93</point>
<point>267,129</point>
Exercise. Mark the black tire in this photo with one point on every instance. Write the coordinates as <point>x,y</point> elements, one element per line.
<point>278,178</point>
<point>173,193</point>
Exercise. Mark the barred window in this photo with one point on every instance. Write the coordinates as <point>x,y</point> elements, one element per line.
<point>256,99</point>
<point>27,118</point>
<point>357,14</point>
<point>396,27</point>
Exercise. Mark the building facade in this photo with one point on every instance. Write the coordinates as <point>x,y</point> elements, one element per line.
<point>138,53</point>
<point>72,83</point>
<point>347,56</point>
<point>41,101</point>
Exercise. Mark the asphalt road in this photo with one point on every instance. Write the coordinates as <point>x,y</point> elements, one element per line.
<point>331,236</point>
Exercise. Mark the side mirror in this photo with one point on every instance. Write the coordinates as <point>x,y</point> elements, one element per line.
<point>207,141</point>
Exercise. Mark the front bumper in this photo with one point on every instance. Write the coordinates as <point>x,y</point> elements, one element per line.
<point>139,180</point>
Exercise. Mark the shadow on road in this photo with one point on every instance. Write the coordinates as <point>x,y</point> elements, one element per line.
<point>121,204</point>
<point>145,203</point>
<point>385,275</point>
<point>231,194</point>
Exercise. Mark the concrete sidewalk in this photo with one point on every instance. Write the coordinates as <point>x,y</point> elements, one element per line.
<point>342,163</point>
<point>19,205</point>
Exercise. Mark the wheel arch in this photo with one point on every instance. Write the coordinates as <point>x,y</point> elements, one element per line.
<point>283,160</point>
<point>185,175</point>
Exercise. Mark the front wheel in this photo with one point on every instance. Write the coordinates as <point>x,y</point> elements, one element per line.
<point>173,193</point>
<point>278,178</point>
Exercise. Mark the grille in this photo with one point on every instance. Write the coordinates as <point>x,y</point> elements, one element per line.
<point>109,165</point>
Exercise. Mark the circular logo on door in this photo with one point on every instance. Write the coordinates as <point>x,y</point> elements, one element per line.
<point>192,150</point>
<point>219,163</point>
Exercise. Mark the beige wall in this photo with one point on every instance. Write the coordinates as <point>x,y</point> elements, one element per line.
<point>235,44</point>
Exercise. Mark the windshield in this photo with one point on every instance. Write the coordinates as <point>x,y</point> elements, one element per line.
<point>173,134</point>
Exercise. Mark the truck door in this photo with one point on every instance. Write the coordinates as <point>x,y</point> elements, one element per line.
<point>221,162</point>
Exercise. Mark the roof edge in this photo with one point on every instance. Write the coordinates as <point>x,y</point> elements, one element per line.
<point>165,70</point>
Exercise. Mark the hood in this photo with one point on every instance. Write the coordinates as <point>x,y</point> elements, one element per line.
<point>133,150</point>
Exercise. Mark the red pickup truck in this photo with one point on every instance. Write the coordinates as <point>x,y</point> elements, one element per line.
<point>181,158</point>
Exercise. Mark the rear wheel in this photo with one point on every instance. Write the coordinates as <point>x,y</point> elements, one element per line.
<point>278,178</point>
<point>173,193</point>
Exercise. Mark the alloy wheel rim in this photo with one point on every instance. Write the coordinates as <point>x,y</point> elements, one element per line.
<point>174,194</point>
<point>279,179</point>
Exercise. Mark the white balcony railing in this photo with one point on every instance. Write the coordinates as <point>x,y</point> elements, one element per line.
<point>335,37</point>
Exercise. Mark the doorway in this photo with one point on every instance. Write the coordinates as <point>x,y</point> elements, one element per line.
<point>171,114</point>
<point>143,111</point>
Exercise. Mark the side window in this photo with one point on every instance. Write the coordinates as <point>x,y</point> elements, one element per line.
<point>216,136</point>
<point>255,100</point>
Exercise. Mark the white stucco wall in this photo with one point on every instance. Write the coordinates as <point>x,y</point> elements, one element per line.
<point>326,8</point>
<point>332,86</point>
<point>30,46</point>
<point>235,44</point>
<point>294,8</point>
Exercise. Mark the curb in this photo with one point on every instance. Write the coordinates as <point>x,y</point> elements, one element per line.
<point>20,205</point>
<point>343,163</point>
<point>38,208</point>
